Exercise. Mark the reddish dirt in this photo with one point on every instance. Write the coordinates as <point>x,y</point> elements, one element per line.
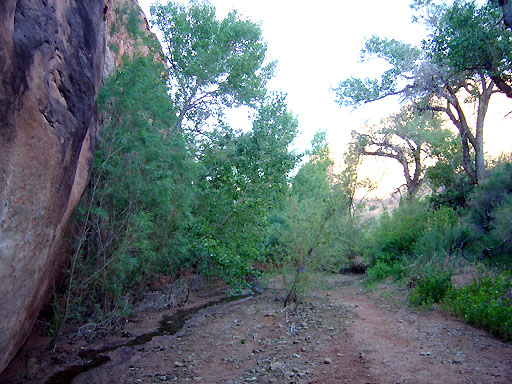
<point>340,334</point>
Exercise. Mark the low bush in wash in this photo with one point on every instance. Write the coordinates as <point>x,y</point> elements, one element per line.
<point>486,302</point>
<point>430,288</point>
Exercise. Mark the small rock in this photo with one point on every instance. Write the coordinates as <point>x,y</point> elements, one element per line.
<point>327,360</point>
<point>178,364</point>
<point>296,355</point>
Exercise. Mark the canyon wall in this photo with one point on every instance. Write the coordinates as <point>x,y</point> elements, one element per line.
<point>53,56</point>
<point>51,66</point>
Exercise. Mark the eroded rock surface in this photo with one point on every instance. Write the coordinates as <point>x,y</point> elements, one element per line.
<point>51,64</point>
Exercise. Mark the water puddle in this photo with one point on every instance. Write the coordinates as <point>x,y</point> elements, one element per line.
<point>169,325</point>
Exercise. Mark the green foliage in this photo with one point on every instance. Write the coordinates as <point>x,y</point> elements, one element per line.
<point>213,63</point>
<point>486,302</point>
<point>469,37</point>
<point>395,235</point>
<point>402,59</point>
<point>161,199</point>
<point>243,176</point>
<point>451,186</point>
<point>382,270</point>
<point>488,216</point>
<point>430,288</point>
<point>135,211</point>
<point>305,229</point>
<point>442,235</point>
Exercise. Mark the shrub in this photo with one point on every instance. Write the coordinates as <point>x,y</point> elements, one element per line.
<point>486,302</point>
<point>382,270</point>
<point>430,288</point>
<point>442,235</point>
<point>489,213</point>
<point>395,235</point>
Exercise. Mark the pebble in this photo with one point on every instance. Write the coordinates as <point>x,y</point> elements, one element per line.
<point>327,360</point>
<point>178,364</point>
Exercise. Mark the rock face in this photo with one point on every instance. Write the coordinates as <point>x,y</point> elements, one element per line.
<point>126,27</point>
<point>51,65</point>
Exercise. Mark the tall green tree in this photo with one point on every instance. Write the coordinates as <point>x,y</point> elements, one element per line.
<point>469,38</point>
<point>135,212</point>
<point>213,64</point>
<point>244,175</point>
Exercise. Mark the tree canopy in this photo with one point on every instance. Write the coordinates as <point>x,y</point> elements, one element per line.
<point>213,64</point>
<point>465,59</point>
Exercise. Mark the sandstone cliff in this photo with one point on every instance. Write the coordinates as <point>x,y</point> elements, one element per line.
<point>127,28</point>
<point>51,65</point>
<point>51,62</point>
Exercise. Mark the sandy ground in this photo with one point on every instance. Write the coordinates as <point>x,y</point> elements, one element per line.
<point>340,334</point>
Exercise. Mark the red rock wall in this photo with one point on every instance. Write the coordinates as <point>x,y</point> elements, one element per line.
<point>51,64</point>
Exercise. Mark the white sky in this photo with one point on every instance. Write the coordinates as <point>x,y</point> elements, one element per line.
<point>317,44</point>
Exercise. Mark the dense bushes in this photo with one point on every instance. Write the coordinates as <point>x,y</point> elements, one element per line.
<point>481,231</point>
<point>395,235</point>
<point>160,201</point>
<point>134,212</point>
<point>423,246</point>
<point>430,288</point>
<point>485,302</point>
<point>489,216</point>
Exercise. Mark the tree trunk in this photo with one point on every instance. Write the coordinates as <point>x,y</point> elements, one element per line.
<point>507,12</point>
<point>483,105</point>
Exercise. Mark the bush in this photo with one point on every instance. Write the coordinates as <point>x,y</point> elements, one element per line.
<point>486,302</point>
<point>395,235</point>
<point>489,214</point>
<point>430,288</point>
<point>381,271</point>
<point>442,235</point>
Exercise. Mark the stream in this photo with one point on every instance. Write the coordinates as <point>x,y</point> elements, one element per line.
<point>169,325</point>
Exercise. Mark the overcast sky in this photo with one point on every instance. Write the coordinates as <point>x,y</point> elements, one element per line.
<point>317,44</point>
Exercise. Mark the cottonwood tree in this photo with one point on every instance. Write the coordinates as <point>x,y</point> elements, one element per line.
<point>243,176</point>
<point>467,37</point>
<point>213,64</point>
<point>409,137</point>
<point>446,74</point>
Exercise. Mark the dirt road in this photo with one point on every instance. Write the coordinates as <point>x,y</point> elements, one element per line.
<point>340,335</point>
